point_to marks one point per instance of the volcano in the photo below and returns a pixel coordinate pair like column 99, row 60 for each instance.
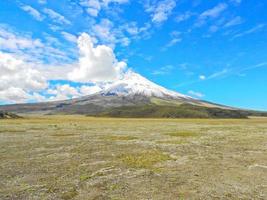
column 133, row 96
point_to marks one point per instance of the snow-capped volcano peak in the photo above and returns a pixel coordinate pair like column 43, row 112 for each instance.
column 135, row 84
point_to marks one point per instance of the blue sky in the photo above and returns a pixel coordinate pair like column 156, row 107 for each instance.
column 213, row 50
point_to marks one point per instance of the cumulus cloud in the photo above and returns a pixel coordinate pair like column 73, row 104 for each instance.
column 23, row 80
column 96, row 64
column 87, row 90
column 18, row 79
column 62, row 92
column 33, row 12
column 11, row 41
column 24, row 45
column 65, row 91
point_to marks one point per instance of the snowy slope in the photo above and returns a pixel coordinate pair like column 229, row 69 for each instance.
column 135, row 84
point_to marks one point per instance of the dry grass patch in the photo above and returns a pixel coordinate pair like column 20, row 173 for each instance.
column 183, row 134
column 119, row 137
column 63, row 134
column 145, row 159
column 171, row 142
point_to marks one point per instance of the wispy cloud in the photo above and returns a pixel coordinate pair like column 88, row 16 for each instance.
column 211, row 13
column 68, row 36
column 42, row 1
column 161, row 11
column 56, row 17
column 226, row 72
column 163, row 70
column 234, row 22
column 11, row 41
column 237, row 2
column 111, row 34
column 175, row 38
column 250, row 31
column 195, row 94
column 93, row 7
column 184, row 16
column 29, row 48
column 259, row 65
column 214, row 12
column 202, row 77
column 218, row 74
column 33, row 12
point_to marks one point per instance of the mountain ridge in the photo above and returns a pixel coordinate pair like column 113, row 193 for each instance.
column 132, row 96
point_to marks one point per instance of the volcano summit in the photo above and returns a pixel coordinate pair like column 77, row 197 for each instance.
column 133, row 96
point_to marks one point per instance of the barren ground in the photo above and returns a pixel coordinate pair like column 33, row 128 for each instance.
column 76, row 157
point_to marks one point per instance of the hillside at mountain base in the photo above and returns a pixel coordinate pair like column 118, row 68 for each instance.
column 134, row 96
column 7, row 115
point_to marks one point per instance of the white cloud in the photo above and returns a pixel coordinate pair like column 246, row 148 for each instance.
column 196, row 94
column 14, row 95
column 42, row 1
column 219, row 73
column 33, row 49
column 88, row 90
column 214, row 12
column 33, row 12
column 202, row 77
column 161, row 11
column 93, row 7
column 234, row 22
column 62, row 92
column 18, row 79
column 107, row 2
column 185, row 16
column 237, row 2
column 11, row 41
column 250, row 31
column 103, row 31
column 65, row 91
column 211, row 13
column 213, row 28
column 133, row 29
column 107, row 33
column 163, row 70
column 68, row 36
column 96, row 63
column 175, row 38
column 56, row 17
column 26, row 80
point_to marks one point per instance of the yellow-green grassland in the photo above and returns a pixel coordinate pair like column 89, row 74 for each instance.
column 78, row 157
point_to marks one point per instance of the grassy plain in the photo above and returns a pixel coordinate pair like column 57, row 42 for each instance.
column 77, row 157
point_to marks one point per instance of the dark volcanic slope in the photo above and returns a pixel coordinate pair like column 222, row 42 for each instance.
column 7, row 115
column 92, row 104
column 133, row 96
column 131, row 106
